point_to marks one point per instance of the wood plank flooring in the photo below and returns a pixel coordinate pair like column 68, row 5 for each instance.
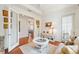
column 25, row 41
column 17, row 49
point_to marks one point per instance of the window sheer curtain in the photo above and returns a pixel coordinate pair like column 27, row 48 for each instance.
column 66, row 26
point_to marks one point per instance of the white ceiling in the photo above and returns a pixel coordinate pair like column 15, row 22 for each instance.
column 55, row 7
column 49, row 8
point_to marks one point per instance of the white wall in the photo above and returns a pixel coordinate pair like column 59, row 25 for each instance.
column 1, row 21
column 23, row 11
column 2, row 31
column 57, row 20
column 19, row 10
column 1, row 25
column 37, row 30
column 56, row 17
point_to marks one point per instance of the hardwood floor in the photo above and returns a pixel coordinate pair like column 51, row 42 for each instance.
column 25, row 41
column 17, row 49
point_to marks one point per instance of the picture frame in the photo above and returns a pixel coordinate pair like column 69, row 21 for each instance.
column 48, row 24
column 5, row 26
column 37, row 23
column 5, row 20
column 5, row 13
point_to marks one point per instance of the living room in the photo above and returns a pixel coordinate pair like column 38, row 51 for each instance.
column 53, row 27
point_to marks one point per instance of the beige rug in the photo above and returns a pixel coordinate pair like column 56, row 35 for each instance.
column 29, row 49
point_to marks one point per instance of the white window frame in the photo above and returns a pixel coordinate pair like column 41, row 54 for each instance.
column 68, row 35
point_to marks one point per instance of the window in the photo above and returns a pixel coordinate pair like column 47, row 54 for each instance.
column 66, row 26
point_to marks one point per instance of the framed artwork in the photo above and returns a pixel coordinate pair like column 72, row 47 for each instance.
column 37, row 23
column 5, row 23
column 5, row 26
column 5, row 13
column 5, row 19
column 48, row 24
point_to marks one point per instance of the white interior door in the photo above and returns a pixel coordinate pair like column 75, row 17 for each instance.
column 13, row 31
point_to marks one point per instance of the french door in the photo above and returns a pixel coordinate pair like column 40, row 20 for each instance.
column 13, row 30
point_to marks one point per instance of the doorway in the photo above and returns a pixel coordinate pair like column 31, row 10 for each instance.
column 26, row 27
column 13, row 39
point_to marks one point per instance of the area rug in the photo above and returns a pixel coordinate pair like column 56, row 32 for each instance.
column 30, row 49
